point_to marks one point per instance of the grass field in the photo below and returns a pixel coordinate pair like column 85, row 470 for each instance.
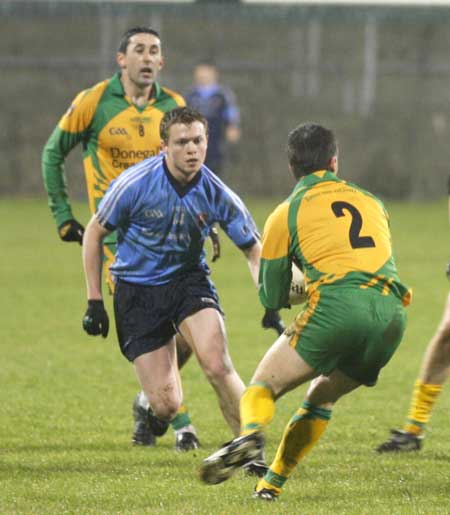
column 65, row 398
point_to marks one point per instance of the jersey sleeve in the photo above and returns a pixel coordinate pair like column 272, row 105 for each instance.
column 71, row 129
column 237, row 222
column 115, row 207
column 275, row 273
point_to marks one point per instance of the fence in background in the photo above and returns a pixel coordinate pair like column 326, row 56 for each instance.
column 379, row 76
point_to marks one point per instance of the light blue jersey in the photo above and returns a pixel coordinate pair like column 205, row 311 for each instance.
column 162, row 225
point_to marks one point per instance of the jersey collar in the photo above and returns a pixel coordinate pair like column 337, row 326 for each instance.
column 313, row 178
column 181, row 189
column 117, row 87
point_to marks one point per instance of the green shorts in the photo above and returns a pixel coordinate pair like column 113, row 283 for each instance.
column 354, row 330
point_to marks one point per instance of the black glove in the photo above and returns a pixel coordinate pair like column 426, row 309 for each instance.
column 272, row 320
column 95, row 320
column 447, row 271
column 71, row 231
column 214, row 235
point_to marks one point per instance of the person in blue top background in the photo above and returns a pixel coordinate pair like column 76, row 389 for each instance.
column 217, row 103
column 163, row 209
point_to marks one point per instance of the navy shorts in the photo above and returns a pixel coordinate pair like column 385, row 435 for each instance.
column 148, row 316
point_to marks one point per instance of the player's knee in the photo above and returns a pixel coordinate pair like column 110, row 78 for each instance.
column 165, row 407
column 217, row 369
column 321, row 393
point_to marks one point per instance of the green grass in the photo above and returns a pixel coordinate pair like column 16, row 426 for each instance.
column 65, row 398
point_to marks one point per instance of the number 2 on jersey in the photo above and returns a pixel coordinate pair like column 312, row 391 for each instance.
column 356, row 241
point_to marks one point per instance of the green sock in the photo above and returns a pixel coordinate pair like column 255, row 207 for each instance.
column 182, row 419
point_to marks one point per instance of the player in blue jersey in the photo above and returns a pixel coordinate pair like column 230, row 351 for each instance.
column 163, row 209
column 218, row 105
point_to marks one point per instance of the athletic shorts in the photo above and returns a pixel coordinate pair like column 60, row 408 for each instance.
column 148, row 316
column 353, row 330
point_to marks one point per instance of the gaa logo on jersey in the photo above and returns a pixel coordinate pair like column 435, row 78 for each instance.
column 153, row 213
column 118, row 131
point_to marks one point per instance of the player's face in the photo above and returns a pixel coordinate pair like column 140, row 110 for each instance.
column 143, row 59
column 205, row 75
column 186, row 150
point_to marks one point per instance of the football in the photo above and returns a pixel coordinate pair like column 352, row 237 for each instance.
column 297, row 294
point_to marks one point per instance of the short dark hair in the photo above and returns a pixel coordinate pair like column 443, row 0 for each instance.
column 184, row 115
column 310, row 147
column 125, row 40
column 207, row 61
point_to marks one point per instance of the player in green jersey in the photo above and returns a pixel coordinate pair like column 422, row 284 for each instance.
column 117, row 123
column 351, row 324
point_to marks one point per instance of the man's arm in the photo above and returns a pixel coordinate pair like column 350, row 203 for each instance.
column 70, row 131
column 275, row 272
column 241, row 224
column 253, row 255
column 232, row 117
column 271, row 318
column 95, row 320
column 93, row 258
column 53, row 157
column 233, row 133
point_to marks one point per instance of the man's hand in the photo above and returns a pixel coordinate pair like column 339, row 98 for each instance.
column 447, row 271
column 95, row 320
column 272, row 320
column 71, row 231
column 214, row 235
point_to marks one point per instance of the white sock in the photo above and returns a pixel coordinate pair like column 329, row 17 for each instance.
column 143, row 401
column 186, row 429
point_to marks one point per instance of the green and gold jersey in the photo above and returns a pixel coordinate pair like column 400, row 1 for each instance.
column 336, row 233
column 115, row 134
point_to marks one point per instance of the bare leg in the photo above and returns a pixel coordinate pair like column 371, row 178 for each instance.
column 435, row 370
column 184, row 351
column 324, row 391
column 436, row 361
column 282, row 368
column 158, row 375
column 185, row 437
column 304, row 430
column 205, row 332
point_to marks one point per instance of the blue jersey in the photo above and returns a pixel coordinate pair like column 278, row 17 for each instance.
column 218, row 105
column 162, row 225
